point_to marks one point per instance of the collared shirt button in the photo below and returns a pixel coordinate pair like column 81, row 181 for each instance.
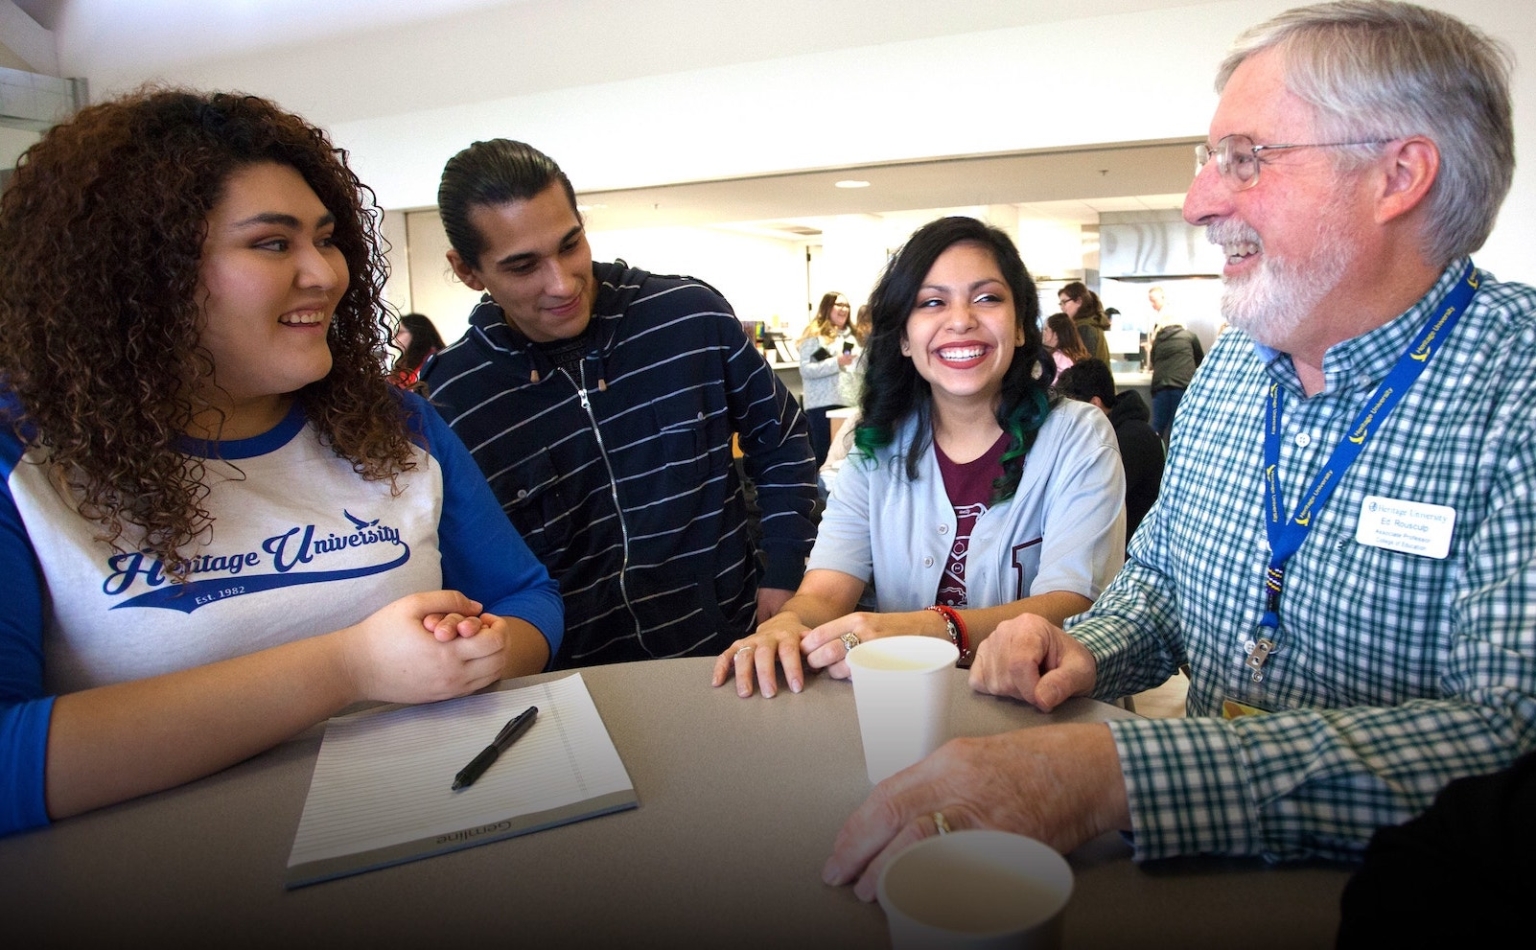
column 943, row 529
column 1303, row 440
column 927, row 562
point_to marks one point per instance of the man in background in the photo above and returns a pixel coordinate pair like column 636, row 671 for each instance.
column 1141, row 451
column 1174, row 354
column 1342, row 549
column 601, row 402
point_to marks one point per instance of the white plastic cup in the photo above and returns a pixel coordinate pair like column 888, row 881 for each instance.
column 901, row 690
column 969, row 890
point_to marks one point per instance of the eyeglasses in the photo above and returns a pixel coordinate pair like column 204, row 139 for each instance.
column 1237, row 158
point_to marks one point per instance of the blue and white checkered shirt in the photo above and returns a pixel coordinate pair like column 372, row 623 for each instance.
column 1395, row 672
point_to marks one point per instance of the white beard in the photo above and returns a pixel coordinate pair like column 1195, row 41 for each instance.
column 1271, row 303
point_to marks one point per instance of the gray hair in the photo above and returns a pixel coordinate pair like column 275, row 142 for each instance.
column 1379, row 70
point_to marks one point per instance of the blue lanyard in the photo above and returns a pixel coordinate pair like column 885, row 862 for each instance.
column 1287, row 534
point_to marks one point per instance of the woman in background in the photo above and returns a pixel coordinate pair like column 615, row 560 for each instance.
column 827, row 354
column 1087, row 313
column 417, row 339
column 1060, row 337
column 219, row 523
column 972, row 495
column 851, row 383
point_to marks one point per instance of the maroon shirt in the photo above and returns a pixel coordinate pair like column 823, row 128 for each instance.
column 969, row 486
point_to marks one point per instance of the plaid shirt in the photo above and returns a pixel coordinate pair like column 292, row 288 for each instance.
column 1395, row 673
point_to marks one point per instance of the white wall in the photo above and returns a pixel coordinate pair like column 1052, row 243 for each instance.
column 763, row 278
column 13, row 142
column 994, row 91
column 1143, row 74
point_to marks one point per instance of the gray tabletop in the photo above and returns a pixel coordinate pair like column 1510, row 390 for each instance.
column 739, row 803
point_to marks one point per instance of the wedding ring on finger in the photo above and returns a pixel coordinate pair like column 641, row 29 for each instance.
column 940, row 823
column 749, row 648
column 850, row 640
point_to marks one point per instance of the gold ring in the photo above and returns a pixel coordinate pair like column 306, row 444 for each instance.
column 940, row 823
column 850, row 640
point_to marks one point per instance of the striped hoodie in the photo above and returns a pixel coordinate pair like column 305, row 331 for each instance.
column 619, row 472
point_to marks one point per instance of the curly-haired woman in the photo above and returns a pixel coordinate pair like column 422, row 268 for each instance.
column 219, row 523
column 972, row 495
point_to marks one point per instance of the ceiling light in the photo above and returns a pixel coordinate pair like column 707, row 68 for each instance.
column 850, row 183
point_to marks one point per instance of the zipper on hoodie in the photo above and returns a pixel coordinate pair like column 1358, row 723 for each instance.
column 613, row 490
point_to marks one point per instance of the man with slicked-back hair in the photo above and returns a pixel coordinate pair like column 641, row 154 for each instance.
column 601, row 402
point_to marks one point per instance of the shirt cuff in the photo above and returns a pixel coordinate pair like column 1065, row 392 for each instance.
column 1186, row 787
column 24, row 751
column 1110, row 645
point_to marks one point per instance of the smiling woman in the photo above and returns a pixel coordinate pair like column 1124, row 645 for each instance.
column 973, row 496
column 211, row 499
column 270, row 249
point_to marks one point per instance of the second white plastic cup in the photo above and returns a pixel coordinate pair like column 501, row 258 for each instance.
column 901, row 689
column 976, row 890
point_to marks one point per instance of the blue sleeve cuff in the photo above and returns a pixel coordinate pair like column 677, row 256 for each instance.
column 23, row 755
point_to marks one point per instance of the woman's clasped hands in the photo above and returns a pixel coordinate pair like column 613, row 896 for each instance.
column 425, row 647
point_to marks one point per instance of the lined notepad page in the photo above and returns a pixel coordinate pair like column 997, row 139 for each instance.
column 383, row 779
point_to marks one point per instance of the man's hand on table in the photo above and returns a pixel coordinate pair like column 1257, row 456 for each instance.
column 1032, row 659
column 1059, row 784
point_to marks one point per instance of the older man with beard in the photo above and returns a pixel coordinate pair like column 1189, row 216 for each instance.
column 1344, row 551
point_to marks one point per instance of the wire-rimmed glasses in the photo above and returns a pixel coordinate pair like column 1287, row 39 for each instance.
column 1237, row 157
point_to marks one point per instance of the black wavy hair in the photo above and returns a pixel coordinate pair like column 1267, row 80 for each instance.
column 893, row 388
column 492, row 173
column 425, row 340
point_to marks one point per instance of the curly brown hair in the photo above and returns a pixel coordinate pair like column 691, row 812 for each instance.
column 101, row 236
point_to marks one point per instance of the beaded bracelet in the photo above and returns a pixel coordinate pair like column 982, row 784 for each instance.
column 957, row 632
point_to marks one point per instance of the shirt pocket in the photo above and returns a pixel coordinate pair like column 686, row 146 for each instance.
column 529, row 492
column 685, row 448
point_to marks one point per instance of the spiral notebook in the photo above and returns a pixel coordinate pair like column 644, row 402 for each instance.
column 381, row 795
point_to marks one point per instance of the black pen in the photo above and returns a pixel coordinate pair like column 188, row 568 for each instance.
column 504, row 739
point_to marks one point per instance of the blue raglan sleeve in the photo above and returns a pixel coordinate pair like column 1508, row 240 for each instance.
column 483, row 555
column 24, row 709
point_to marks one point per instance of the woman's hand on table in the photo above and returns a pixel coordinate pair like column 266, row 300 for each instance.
column 826, row 647
column 753, row 658
column 1059, row 784
column 1032, row 659
column 396, row 655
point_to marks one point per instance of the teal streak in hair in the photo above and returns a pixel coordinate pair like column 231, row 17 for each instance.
column 1022, row 424
column 867, row 439
column 1026, row 417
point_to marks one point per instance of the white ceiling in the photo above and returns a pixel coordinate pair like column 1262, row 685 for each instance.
column 1073, row 187
column 148, row 36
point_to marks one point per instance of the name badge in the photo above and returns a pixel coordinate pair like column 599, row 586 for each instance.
column 1407, row 526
